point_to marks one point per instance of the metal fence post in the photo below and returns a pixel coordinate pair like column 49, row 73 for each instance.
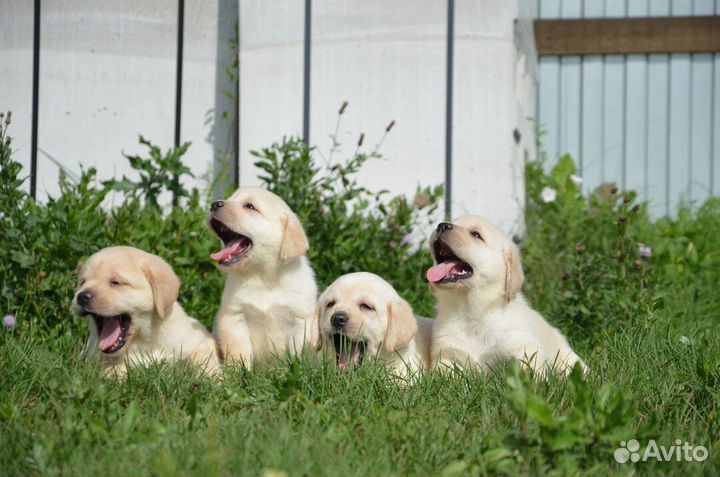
column 306, row 71
column 449, row 108
column 179, row 69
column 35, row 100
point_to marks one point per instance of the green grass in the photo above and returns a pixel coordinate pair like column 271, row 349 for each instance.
column 60, row 417
column 647, row 327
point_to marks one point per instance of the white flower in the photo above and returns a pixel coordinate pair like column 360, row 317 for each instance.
column 686, row 341
column 644, row 251
column 577, row 180
column 548, row 195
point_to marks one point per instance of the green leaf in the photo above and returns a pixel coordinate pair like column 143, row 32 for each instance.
column 562, row 171
column 538, row 409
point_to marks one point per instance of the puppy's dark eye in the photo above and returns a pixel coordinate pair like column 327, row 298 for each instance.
column 476, row 235
column 115, row 282
column 366, row 307
column 330, row 304
column 250, row 206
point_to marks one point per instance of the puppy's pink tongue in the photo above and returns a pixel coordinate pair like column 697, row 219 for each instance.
column 440, row 271
column 343, row 364
column 233, row 248
column 110, row 333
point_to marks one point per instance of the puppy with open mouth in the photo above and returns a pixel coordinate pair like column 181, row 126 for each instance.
column 362, row 316
column 269, row 298
column 482, row 318
column 129, row 298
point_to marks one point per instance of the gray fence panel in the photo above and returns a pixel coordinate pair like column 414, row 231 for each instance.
column 645, row 122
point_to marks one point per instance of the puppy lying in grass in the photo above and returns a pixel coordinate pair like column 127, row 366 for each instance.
column 129, row 298
column 482, row 318
column 269, row 298
column 364, row 317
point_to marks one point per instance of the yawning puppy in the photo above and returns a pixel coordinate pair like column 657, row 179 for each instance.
column 269, row 298
column 482, row 318
column 129, row 298
column 364, row 317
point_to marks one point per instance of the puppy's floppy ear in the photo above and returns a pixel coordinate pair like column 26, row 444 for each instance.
column 165, row 284
column 316, row 329
column 401, row 327
column 294, row 242
column 514, row 276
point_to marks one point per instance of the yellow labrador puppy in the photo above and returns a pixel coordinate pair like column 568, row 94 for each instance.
column 269, row 298
column 364, row 316
column 482, row 318
column 129, row 298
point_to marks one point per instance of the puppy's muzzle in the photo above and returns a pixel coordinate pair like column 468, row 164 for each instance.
column 84, row 298
column 339, row 320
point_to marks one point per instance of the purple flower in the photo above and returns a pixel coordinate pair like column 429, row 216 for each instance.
column 407, row 240
column 644, row 251
column 577, row 180
column 9, row 321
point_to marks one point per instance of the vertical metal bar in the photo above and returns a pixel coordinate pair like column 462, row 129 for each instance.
column 35, row 100
column 713, row 92
column 667, row 134
column 691, row 113
column 306, row 71
column 449, row 107
column 236, row 123
column 603, row 120
column 626, row 13
column 558, row 114
column 603, row 109
column 560, row 89
column 179, row 70
column 646, row 167
column 623, row 176
column 581, row 122
column 646, row 190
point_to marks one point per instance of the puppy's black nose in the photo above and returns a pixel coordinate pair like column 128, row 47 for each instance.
column 339, row 319
column 84, row 298
column 216, row 205
column 444, row 227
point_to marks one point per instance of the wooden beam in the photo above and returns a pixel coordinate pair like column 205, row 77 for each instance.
column 609, row 36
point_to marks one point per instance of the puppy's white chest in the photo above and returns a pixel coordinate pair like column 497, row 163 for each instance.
column 273, row 322
column 478, row 339
column 270, row 318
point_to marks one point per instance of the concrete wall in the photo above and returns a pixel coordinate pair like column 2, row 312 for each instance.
column 388, row 60
column 107, row 74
